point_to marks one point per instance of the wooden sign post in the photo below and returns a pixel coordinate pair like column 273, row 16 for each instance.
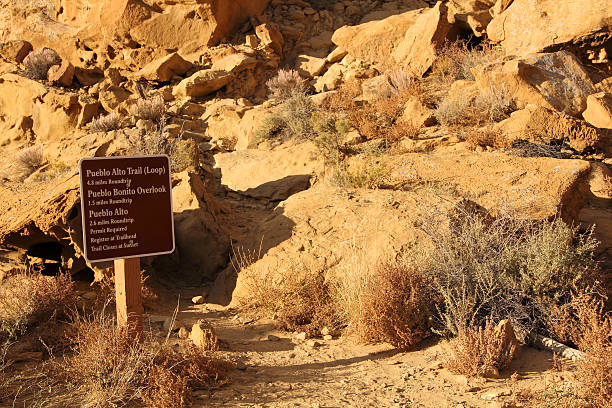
column 126, row 207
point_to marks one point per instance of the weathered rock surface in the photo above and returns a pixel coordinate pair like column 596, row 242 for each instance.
column 529, row 26
column 423, row 40
column 61, row 74
column 202, row 245
column 164, row 69
column 15, row 51
column 553, row 80
column 272, row 175
column 599, row 110
column 235, row 63
column 375, row 40
column 202, row 83
column 540, row 125
column 471, row 15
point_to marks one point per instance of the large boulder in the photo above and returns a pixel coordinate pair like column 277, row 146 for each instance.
column 543, row 126
column 202, row 244
column 53, row 113
column 273, row 175
column 202, row 83
column 553, row 80
column 15, row 51
column 164, row 69
column 423, row 40
column 320, row 230
column 599, row 110
column 375, row 40
column 529, row 26
column 189, row 28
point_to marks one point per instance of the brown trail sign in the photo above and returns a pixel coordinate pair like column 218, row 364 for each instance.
column 126, row 205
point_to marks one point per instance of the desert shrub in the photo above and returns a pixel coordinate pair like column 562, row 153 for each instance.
column 286, row 84
column 504, row 268
column 28, row 299
column 462, row 108
column 270, row 128
column 106, row 123
column 55, row 170
column 149, row 108
column 456, row 61
column 106, row 369
column 372, row 174
column 297, row 114
column 397, row 306
column 183, row 153
column 300, row 300
column 30, row 159
column 480, row 350
column 400, row 81
column 37, row 63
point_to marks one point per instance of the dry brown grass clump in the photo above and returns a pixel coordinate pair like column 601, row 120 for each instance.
column 29, row 299
column 285, row 84
column 149, row 108
column 464, row 109
column 30, row 159
column 456, row 60
column 37, row 63
column 105, row 369
column 480, row 351
column 106, row 123
column 397, row 306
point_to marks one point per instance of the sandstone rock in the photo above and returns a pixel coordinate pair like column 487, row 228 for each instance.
column 336, row 55
column 423, row 40
column 471, row 15
column 540, row 125
column 164, row 69
column 197, row 300
column 416, row 113
column 554, row 80
column 505, row 332
column 188, row 29
column 111, row 96
column 331, row 80
column 235, row 63
column 273, row 175
column 499, row 7
column 61, row 74
column 89, row 110
column 252, row 41
column 202, row 83
column 15, row 51
column 374, row 41
column 202, row 244
column 271, row 37
column 203, row 336
column 244, row 132
column 89, row 76
column 599, row 110
column 310, row 67
column 529, row 26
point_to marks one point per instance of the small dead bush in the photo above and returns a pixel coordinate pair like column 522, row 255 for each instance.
column 38, row 62
column 476, row 351
column 106, row 369
column 29, row 299
column 397, row 306
column 286, row 84
column 106, row 123
column 149, row 108
column 30, row 159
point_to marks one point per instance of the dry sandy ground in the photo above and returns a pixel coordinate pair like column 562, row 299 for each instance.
column 275, row 369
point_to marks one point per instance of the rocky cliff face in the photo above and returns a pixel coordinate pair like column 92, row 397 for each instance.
column 203, row 64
